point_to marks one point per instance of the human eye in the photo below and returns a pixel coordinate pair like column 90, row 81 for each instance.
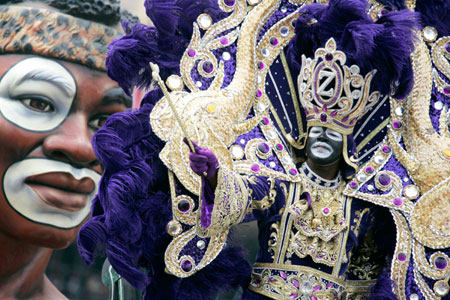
column 98, row 121
column 37, row 103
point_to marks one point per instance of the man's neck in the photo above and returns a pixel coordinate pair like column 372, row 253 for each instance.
column 327, row 172
column 22, row 269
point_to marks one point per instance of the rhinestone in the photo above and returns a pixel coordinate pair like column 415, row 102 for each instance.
column 284, row 31
column 399, row 111
column 260, row 107
column 429, row 34
column 199, row 84
column 271, row 134
column 440, row 263
column 356, row 94
column 447, row 90
column 207, row 66
column 369, row 170
column 411, row 191
column 226, row 56
column 386, row 149
column 204, row 21
column 186, row 265
column 283, row 9
column 183, row 205
column 441, row 288
column 447, row 47
column 293, row 295
column 307, row 288
column 255, row 168
column 272, row 164
column 174, row 82
column 398, row 201
column 303, row 86
column 258, row 93
column 211, row 108
column 361, row 177
column 191, row 52
column 253, row 2
column 201, row 244
column 446, row 153
column 323, row 117
column 229, row 2
column 265, row 121
column 224, row 40
column 354, row 69
column 397, row 124
column 242, row 141
column 237, row 152
column 259, row 78
column 414, row 297
column 279, row 147
column 265, row 52
column 273, row 41
column 260, row 65
column 379, row 159
column 174, row 228
column 401, row 256
column 263, row 148
column 438, row 105
column 295, row 283
column 370, row 187
column 329, row 57
column 293, row 171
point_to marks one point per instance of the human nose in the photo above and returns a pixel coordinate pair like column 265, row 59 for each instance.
column 71, row 143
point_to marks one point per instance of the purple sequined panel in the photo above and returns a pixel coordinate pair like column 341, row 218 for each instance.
column 193, row 250
column 437, row 104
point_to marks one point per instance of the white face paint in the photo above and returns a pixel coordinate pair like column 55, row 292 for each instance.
column 321, row 149
column 36, row 94
column 26, row 201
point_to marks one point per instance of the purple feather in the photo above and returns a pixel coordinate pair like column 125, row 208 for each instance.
column 384, row 45
column 435, row 13
column 164, row 14
column 382, row 290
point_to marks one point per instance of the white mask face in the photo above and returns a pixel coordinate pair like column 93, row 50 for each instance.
column 36, row 94
column 31, row 201
column 324, row 144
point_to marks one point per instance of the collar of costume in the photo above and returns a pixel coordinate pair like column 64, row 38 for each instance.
column 26, row 30
column 317, row 180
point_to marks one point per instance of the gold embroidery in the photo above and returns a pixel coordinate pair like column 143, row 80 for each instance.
column 269, row 199
column 362, row 263
column 230, row 204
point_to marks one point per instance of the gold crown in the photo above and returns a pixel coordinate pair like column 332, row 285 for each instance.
column 333, row 94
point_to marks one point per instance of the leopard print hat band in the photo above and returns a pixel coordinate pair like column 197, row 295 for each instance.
column 25, row 30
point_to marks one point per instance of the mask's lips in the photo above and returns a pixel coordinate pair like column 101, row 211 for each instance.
column 62, row 190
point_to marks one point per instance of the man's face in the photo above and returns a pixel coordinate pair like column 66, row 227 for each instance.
column 49, row 111
column 324, row 145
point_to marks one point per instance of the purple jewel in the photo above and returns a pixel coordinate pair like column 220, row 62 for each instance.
column 263, row 147
column 208, row 66
column 191, row 52
column 400, row 99
column 255, row 168
column 316, row 110
column 229, row 2
column 386, row 149
column 397, row 124
column 326, row 210
column 323, row 118
column 447, row 90
column 324, row 108
column 440, row 263
column 369, row 170
column 293, row 171
column 279, row 147
column 352, row 121
column 353, row 185
column 260, row 65
column 334, row 113
column 283, row 275
column 329, row 285
column 295, row 283
column 293, row 296
column 329, row 57
column 265, row 121
column 345, row 119
column 183, row 205
column 398, row 201
column 384, row 179
column 447, row 47
column 401, row 256
column 317, row 288
column 273, row 41
column 186, row 265
column 224, row 41
column 258, row 93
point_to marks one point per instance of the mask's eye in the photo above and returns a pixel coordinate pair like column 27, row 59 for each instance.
column 98, row 121
column 315, row 131
column 334, row 135
column 38, row 103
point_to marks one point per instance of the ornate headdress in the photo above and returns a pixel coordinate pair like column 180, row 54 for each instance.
column 333, row 94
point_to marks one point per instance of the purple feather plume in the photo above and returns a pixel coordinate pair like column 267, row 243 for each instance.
column 384, row 45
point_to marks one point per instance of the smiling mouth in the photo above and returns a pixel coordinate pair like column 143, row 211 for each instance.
column 62, row 190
